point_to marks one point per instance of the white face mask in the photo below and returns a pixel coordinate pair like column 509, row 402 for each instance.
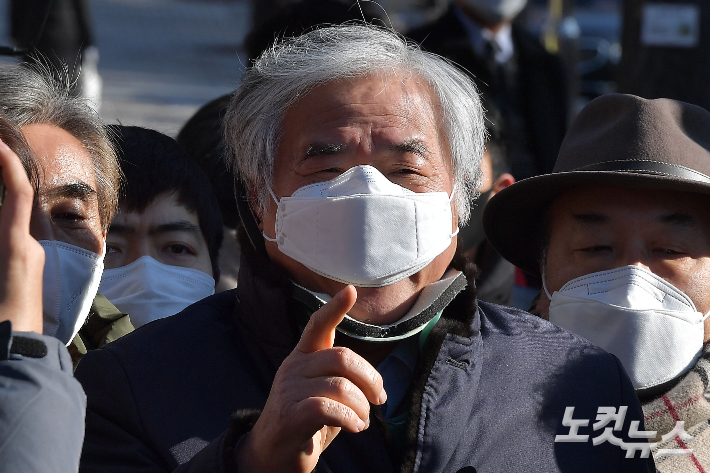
column 496, row 11
column 70, row 282
column 148, row 290
column 362, row 229
column 650, row 325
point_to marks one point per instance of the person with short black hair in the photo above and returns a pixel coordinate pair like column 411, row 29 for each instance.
column 163, row 245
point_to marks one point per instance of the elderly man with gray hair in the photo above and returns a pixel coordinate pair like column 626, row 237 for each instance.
column 354, row 341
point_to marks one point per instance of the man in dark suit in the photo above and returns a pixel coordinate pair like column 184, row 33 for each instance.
column 507, row 63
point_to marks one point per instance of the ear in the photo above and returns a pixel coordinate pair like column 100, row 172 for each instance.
column 503, row 181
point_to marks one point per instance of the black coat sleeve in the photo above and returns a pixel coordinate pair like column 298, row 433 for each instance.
column 116, row 439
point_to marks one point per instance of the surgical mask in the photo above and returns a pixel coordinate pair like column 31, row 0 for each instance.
column 496, row 11
column 651, row 326
column 362, row 229
column 148, row 290
column 70, row 281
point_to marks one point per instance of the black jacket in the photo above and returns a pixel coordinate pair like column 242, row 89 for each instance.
column 542, row 83
column 489, row 390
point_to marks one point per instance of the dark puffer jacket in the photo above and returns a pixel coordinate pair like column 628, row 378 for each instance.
column 489, row 391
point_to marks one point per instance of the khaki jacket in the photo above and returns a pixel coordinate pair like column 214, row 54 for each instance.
column 105, row 324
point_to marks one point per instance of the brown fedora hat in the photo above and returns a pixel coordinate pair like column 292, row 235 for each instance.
column 616, row 140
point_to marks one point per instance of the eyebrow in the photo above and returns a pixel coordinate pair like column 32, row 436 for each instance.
column 121, row 229
column 678, row 219
column 175, row 226
column 74, row 190
column 412, row 145
column 590, row 219
column 317, row 149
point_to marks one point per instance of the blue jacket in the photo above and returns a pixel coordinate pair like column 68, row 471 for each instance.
column 41, row 405
column 488, row 394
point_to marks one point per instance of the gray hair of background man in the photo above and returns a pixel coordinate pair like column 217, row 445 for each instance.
column 293, row 67
column 35, row 94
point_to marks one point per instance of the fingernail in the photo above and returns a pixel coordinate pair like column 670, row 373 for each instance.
column 382, row 398
column 360, row 425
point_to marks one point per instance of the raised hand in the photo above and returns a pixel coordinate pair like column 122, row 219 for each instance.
column 318, row 390
column 21, row 257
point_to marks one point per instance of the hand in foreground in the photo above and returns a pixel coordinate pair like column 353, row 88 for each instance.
column 318, row 390
column 21, row 257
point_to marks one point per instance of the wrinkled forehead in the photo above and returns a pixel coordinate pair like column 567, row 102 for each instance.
column 594, row 206
column 61, row 158
column 386, row 99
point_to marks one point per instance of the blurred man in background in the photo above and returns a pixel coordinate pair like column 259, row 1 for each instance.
column 59, row 31
column 509, row 65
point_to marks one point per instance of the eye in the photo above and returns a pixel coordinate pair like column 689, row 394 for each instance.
column 178, row 249
column 405, row 171
column 110, row 249
column 68, row 217
column 668, row 252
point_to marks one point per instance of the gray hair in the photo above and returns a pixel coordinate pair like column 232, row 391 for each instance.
column 293, row 67
column 37, row 94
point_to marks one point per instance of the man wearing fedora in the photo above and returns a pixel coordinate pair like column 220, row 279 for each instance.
column 620, row 233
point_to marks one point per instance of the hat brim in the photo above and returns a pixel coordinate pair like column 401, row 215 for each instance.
column 513, row 219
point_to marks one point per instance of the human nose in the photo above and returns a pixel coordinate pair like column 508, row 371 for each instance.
column 140, row 248
column 634, row 255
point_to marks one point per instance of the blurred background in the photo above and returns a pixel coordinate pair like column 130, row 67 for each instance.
column 155, row 62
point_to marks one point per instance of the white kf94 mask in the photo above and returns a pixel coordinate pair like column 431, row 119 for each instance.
column 651, row 326
column 69, row 284
column 362, row 229
column 148, row 290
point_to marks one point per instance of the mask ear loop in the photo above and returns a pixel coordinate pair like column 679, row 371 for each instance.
column 273, row 196
column 451, row 197
column 544, row 286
